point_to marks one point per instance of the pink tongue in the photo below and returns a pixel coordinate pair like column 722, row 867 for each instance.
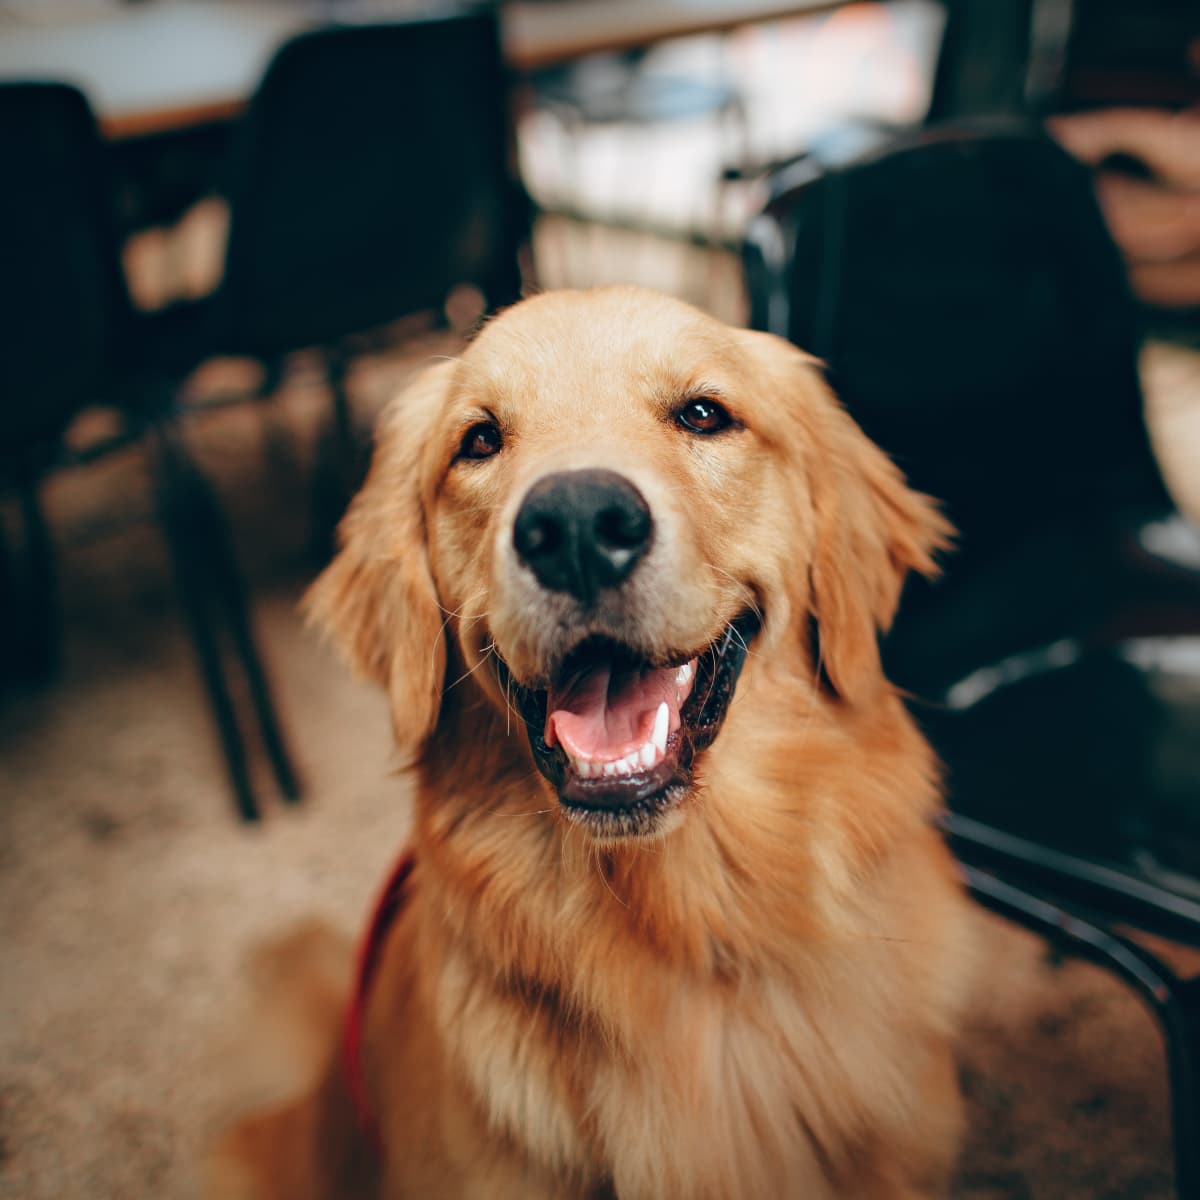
column 601, row 714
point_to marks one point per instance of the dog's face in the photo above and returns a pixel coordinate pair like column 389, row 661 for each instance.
column 602, row 507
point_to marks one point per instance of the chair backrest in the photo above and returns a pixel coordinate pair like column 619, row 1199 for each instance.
column 976, row 320
column 982, row 65
column 372, row 173
column 63, row 302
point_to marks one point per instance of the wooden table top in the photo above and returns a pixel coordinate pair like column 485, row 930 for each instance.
column 167, row 64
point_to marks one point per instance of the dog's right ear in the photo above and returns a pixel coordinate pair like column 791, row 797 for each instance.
column 377, row 600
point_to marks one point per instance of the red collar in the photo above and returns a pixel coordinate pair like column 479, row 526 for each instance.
column 387, row 908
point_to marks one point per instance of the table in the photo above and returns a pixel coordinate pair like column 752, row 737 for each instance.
column 171, row 64
column 539, row 33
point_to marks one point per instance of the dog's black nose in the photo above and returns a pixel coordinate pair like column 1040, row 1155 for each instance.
column 580, row 531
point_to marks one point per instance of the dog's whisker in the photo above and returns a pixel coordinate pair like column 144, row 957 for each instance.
column 604, row 880
column 505, row 685
column 470, row 600
column 563, row 843
column 743, row 592
column 450, row 615
column 488, row 651
column 712, row 679
column 437, row 641
column 737, row 637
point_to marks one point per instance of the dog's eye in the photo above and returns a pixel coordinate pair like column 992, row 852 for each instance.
column 481, row 441
column 703, row 416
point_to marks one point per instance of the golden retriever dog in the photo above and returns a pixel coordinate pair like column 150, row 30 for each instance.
column 679, row 922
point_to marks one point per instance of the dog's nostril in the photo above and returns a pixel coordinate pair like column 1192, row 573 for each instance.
column 622, row 527
column 541, row 537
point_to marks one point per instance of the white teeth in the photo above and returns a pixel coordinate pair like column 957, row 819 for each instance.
column 683, row 675
column 644, row 757
column 661, row 721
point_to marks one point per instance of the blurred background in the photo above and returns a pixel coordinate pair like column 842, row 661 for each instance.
column 230, row 231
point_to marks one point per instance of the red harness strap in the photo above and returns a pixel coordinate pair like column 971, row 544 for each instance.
column 387, row 907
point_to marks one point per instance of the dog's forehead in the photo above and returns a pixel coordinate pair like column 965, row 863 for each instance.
column 566, row 346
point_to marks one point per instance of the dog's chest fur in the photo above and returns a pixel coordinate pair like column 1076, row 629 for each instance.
column 710, row 1092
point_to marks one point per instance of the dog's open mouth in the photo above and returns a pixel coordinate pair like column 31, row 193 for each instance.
column 617, row 735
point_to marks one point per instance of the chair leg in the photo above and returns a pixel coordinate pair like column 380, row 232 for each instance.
column 1183, row 1047
column 184, row 509
column 1174, row 1002
column 227, row 580
column 28, row 588
column 10, row 611
column 279, row 439
column 40, row 554
column 211, row 587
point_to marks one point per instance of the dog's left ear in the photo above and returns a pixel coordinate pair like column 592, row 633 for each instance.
column 377, row 599
column 869, row 527
column 871, row 530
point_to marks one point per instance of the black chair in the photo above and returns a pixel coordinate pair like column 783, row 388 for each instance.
column 50, row 232
column 371, row 175
column 976, row 320
column 72, row 339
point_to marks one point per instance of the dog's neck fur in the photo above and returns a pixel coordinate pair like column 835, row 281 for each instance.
column 671, row 976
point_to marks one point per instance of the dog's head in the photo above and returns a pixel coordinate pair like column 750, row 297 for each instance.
column 594, row 515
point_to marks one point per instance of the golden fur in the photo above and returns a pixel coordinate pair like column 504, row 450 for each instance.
column 761, row 1000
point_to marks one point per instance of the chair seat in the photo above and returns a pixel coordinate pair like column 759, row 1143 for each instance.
column 1060, row 685
column 1094, row 751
